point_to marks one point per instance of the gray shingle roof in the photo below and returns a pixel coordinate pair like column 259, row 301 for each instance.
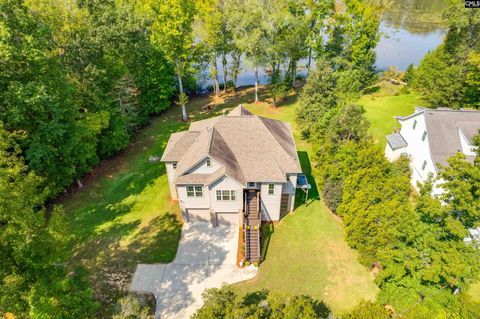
column 469, row 130
column 396, row 141
column 249, row 147
column 442, row 128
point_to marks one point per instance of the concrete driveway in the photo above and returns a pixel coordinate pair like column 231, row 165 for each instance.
column 206, row 258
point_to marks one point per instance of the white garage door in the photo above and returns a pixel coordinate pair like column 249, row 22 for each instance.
column 227, row 219
column 198, row 215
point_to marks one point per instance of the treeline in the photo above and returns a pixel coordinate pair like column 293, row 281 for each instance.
column 413, row 242
column 449, row 76
column 77, row 78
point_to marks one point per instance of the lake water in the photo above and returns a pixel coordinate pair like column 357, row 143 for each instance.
column 409, row 29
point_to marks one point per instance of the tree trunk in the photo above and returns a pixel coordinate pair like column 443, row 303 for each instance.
column 274, row 101
column 180, row 88
column 235, row 69
column 216, row 87
column 79, row 183
column 224, row 66
column 256, row 84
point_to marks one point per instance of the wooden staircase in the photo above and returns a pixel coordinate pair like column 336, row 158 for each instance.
column 251, row 225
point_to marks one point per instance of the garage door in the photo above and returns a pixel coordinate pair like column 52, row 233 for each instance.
column 198, row 215
column 227, row 219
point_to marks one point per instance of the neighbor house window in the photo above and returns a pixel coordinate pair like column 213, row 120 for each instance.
column 251, row 184
column 174, row 165
column 194, row 191
column 424, row 136
column 225, row 195
column 424, row 165
column 414, row 124
column 208, row 162
column 271, row 189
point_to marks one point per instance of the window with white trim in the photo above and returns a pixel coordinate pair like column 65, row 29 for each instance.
column 271, row 189
column 251, row 184
column 174, row 165
column 194, row 191
column 209, row 163
column 414, row 124
column 424, row 165
column 225, row 195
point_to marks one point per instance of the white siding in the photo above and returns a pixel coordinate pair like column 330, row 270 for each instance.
column 393, row 155
column 271, row 203
column 418, row 150
column 202, row 168
column 289, row 186
column 467, row 148
column 171, row 176
column 226, row 183
column 193, row 202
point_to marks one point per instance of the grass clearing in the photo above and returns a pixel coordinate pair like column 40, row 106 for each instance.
column 123, row 216
column 383, row 105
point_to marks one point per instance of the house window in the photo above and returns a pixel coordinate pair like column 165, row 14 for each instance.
column 251, row 184
column 414, row 124
column 208, row 162
column 424, row 165
column 424, row 136
column 225, row 195
column 194, row 191
column 271, row 189
column 174, row 165
column 288, row 178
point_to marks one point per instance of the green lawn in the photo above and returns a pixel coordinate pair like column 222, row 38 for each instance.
column 123, row 216
column 382, row 106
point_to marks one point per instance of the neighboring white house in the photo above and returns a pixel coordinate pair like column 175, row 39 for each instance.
column 430, row 136
column 217, row 162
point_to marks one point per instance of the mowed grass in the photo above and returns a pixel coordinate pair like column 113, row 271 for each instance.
column 124, row 216
column 382, row 106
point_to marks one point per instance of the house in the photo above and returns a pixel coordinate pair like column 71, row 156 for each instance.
column 236, row 169
column 430, row 136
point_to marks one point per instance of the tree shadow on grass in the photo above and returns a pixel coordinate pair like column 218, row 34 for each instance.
column 255, row 297
column 313, row 194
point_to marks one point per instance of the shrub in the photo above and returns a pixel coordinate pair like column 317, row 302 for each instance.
column 135, row 305
column 332, row 193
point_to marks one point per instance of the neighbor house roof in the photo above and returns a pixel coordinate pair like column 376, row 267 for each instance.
column 249, row 147
column 396, row 141
column 442, row 128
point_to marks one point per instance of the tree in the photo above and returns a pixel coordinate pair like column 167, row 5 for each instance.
column 440, row 79
column 173, row 35
column 353, row 36
column 448, row 75
column 243, row 18
column 224, row 303
column 30, row 248
column 318, row 100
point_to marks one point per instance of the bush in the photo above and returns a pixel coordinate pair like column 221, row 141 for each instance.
column 136, row 306
column 332, row 193
column 368, row 310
